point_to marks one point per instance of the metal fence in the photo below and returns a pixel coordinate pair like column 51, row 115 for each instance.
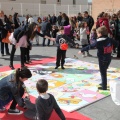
column 42, row 9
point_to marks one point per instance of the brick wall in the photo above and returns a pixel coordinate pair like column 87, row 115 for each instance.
column 104, row 5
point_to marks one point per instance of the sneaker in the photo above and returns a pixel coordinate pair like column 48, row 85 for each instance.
column 15, row 112
column 56, row 67
column 12, row 67
column 89, row 55
column 100, row 88
column 2, row 109
column 62, row 67
column 2, row 55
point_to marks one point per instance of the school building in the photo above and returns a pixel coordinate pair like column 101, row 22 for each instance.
column 109, row 6
column 43, row 7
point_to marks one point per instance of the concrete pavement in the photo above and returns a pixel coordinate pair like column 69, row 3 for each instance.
column 104, row 109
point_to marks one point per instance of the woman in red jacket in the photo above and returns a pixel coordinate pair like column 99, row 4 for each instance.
column 103, row 20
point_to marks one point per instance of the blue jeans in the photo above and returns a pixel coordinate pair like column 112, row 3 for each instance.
column 5, row 102
column 103, row 66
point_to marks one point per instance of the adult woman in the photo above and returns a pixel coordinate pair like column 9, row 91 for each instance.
column 104, row 21
column 16, row 20
column 22, row 37
column 12, row 89
column 65, row 20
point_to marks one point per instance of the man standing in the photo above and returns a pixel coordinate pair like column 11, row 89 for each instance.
column 31, row 20
column 90, row 21
column 54, row 19
column 46, row 28
column 59, row 19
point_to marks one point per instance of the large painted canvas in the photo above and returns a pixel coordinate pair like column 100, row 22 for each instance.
column 74, row 87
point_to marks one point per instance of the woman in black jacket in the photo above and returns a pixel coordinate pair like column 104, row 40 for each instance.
column 16, row 20
column 4, row 28
column 65, row 20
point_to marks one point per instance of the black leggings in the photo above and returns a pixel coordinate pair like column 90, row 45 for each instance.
column 61, row 54
column 14, row 102
column 22, row 49
column 6, row 48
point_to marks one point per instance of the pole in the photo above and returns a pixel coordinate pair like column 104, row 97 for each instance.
column 55, row 9
column 68, row 10
column 21, row 10
column 39, row 9
column 80, row 8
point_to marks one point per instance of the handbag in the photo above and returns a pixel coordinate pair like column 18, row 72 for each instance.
column 6, row 39
column 64, row 46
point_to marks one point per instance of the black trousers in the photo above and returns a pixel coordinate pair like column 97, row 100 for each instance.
column 48, row 34
column 61, row 54
column 14, row 102
column 23, row 50
column 27, row 54
column 6, row 48
column 118, row 50
column 12, row 54
column 103, row 66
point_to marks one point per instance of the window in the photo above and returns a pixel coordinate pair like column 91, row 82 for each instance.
column 58, row 1
column 43, row 1
column 74, row 2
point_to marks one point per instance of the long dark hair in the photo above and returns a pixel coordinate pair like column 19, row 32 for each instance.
column 30, row 31
column 23, row 73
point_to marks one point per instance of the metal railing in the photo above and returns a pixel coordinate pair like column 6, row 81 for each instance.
column 42, row 9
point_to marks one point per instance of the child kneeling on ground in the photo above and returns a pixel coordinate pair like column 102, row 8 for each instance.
column 104, row 45
column 44, row 105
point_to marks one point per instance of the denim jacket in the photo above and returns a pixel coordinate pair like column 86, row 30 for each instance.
column 7, row 87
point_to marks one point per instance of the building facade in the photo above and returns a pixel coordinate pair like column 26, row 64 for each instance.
column 109, row 6
column 61, row 2
column 43, row 7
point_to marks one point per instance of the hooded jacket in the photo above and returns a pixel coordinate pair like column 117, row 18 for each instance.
column 104, row 47
column 105, row 22
column 45, row 107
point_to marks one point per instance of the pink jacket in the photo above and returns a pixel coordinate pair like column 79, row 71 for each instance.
column 23, row 42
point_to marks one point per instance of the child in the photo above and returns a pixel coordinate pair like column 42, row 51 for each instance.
column 45, row 104
column 93, row 36
column 62, row 45
column 83, row 36
column 12, row 89
column 104, row 44
column 54, row 32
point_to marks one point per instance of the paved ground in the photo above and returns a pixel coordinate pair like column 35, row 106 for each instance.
column 104, row 109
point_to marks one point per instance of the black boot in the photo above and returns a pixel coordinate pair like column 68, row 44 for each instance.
column 57, row 67
column 11, row 66
column 62, row 67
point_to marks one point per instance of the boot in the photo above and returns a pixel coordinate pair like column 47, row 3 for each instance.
column 11, row 66
column 62, row 67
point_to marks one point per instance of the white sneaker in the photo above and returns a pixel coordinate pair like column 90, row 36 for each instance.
column 15, row 112
column 3, row 109
column 83, row 56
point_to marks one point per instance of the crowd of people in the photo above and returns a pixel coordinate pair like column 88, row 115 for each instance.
column 104, row 35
